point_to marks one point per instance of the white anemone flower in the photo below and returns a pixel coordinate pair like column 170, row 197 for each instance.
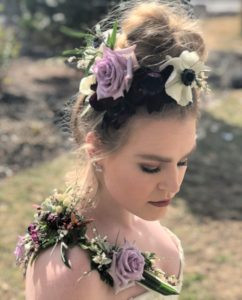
column 85, row 85
column 187, row 69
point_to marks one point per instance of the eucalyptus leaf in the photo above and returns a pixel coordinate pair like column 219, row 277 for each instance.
column 83, row 246
column 74, row 33
column 157, row 284
column 32, row 258
column 73, row 52
column 89, row 66
column 69, row 188
column 34, row 255
column 63, row 250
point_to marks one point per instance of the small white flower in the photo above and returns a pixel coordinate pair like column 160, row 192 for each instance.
column 101, row 259
column 27, row 246
column 89, row 54
column 176, row 86
column 85, row 85
column 81, row 64
column 67, row 201
column 59, row 197
column 58, row 209
column 71, row 59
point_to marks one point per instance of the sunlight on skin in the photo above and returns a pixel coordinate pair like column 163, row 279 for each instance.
column 127, row 188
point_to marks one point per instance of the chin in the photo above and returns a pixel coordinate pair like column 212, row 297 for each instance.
column 161, row 213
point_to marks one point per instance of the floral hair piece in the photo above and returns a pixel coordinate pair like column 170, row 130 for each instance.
column 110, row 79
column 187, row 73
column 57, row 221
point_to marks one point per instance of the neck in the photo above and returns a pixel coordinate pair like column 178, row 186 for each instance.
column 108, row 212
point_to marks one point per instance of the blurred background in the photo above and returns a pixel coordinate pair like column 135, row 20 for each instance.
column 35, row 154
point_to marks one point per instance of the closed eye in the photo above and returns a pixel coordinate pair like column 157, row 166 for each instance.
column 149, row 170
column 183, row 163
column 156, row 170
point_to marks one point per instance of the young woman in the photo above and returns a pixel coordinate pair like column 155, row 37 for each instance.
column 135, row 126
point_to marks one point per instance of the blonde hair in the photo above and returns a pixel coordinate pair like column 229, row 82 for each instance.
column 158, row 29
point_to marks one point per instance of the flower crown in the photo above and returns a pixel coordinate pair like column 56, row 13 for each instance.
column 57, row 221
column 114, row 81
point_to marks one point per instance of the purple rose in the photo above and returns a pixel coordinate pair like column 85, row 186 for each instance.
column 114, row 72
column 19, row 250
column 127, row 266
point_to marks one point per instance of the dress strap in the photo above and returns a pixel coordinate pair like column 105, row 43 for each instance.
column 180, row 249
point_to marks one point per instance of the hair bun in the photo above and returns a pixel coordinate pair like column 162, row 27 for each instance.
column 143, row 13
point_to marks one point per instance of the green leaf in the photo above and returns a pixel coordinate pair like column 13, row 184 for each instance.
column 74, row 33
column 155, row 283
column 64, row 249
column 69, row 188
column 32, row 258
column 89, row 66
column 112, row 39
column 83, row 246
column 34, row 255
column 73, row 52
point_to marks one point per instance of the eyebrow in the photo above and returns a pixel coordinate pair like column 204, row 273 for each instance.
column 164, row 159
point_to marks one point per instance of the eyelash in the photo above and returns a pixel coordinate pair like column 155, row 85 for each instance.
column 156, row 170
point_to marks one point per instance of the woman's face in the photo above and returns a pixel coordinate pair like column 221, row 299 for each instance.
column 131, row 180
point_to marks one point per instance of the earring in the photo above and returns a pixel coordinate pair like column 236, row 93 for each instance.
column 98, row 168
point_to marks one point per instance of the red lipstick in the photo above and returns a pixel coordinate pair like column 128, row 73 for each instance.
column 160, row 203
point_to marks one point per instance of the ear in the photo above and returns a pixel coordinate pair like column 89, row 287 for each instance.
column 91, row 140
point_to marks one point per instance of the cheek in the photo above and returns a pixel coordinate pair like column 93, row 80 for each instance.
column 128, row 182
column 182, row 174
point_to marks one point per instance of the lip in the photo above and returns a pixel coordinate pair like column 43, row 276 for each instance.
column 160, row 203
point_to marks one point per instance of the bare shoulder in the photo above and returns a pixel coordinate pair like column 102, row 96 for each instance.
column 167, row 249
column 173, row 261
column 49, row 278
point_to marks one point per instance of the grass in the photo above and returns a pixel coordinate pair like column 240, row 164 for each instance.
column 17, row 194
column 192, row 287
column 226, row 107
column 223, row 33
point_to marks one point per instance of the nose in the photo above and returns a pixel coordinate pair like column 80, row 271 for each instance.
column 170, row 181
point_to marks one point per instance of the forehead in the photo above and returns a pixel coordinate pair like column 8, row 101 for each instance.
column 165, row 135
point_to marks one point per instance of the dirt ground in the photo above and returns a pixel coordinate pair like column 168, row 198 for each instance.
column 33, row 93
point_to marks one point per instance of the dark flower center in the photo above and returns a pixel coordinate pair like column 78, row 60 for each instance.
column 188, row 76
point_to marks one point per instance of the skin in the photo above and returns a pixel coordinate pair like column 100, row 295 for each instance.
column 123, row 204
column 126, row 190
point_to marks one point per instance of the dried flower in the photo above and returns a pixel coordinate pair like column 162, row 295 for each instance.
column 19, row 250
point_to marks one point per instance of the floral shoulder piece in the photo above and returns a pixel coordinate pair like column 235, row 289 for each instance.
column 57, row 221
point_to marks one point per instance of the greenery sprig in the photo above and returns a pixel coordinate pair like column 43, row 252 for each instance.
column 57, row 221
